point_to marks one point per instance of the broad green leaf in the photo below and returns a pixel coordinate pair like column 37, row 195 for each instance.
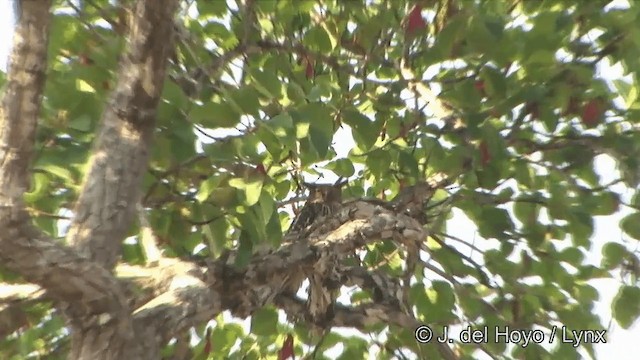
column 212, row 8
column 341, row 167
column 419, row 297
column 252, row 191
column 613, row 255
column 571, row 255
column 365, row 132
column 320, row 126
column 244, row 101
column 526, row 210
column 296, row 93
column 207, row 187
column 82, row 123
column 215, row 233
column 267, row 83
column 442, row 299
column 408, row 164
column 59, row 171
column 626, row 306
column 581, row 227
column 319, row 40
column 245, row 250
column 378, row 162
column 214, row 115
column 494, row 82
column 607, row 204
column 631, row 225
column 39, row 187
column 629, row 92
column 495, row 223
column 264, row 322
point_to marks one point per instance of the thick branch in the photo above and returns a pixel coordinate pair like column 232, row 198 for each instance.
column 185, row 294
column 24, row 249
column 107, row 203
column 22, row 99
column 188, row 294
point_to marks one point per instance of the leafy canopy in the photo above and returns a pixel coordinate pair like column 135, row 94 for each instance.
column 523, row 112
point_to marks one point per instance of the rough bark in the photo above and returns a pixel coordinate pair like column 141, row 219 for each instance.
column 107, row 203
column 184, row 294
column 88, row 294
column 108, row 319
column 21, row 100
column 23, row 248
column 188, row 294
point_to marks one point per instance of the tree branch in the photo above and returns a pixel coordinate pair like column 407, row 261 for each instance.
column 107, row 203
column 22, row 99
column 188, row 294
column 23, row 248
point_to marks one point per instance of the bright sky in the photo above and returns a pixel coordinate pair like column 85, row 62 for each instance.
column 607, row 229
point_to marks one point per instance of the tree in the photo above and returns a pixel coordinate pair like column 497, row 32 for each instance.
column 129, row 225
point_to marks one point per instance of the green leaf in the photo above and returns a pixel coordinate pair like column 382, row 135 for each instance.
column 252, row 191
column 446, row 39
column 494, row 223
column 39, row 188
column 419, row 297
column 629, row 92
column 207, row 187
column 626, row 306
column 280, row 125
column 320, row 126
column 295, row 93
column 213, row 115
column 215, row 233
column 267, row 206
column 226, row 336
column 264, row 322
column 451, row 262
column 320, row 141
column 631, row 225
column 365, row 132
column 480, row 37
column 267, row 83
column 245, row 250
column 212, row 8
column 82, row 123
column 613, row 255
column 571, row 255
column 581, row 227
column 408, row 164
column 317, row 39
column 526, row 211
column 495, row 82
column 341, row 167
column 442, row 301
column 378, row 163
column 59, row 171
column 244, row 100
column 607, row 203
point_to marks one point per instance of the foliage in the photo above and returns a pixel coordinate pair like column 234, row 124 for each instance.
column 527, row 116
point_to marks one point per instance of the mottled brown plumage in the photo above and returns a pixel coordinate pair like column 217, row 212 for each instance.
column 323, row 201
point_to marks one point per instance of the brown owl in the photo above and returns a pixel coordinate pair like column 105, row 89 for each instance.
column 323, row 201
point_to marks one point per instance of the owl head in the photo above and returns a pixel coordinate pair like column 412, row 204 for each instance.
column 325, row 192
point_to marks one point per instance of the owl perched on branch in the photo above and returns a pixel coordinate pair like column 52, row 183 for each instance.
column 323, row 201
